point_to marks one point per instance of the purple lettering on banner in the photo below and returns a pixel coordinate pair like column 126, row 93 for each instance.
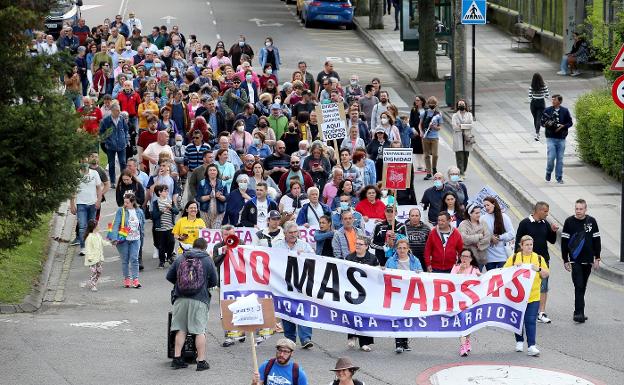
column 317, row 315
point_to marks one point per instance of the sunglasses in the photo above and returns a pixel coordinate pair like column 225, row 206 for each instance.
column 295, row 163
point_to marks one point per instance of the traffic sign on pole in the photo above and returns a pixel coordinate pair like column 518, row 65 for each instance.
column 474, row 12
column 617, row 92
column 618, row 62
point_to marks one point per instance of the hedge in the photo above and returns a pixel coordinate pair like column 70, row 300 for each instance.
column 599, row 131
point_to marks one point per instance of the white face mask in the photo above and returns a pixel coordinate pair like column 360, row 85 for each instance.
column 240, row 128
column 243, row 186
column 384, row 120
column 384, row 193
column 178, row 142
column 268, row 44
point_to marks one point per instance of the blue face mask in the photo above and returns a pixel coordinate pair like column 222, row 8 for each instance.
column 437, row 183
column 344, row 206
column 454, row 178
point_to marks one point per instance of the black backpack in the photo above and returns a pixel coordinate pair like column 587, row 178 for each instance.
column 295, row 371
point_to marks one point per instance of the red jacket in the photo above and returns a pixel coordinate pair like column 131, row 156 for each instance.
column 129, row 102
column 372, row 211
column 443, row 257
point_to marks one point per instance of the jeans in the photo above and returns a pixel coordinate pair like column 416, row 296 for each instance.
column 111, row 162
column 537, row 109
column 530, row 323
column 564, row 64
column 291, row 331
column 494, row 265
column 555, row 149
column 580, row 276
column 129, row 253
column 84, row 213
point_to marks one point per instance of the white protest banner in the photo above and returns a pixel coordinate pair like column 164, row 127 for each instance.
column 246, row 311
column 369, row 227
column 488, row 192
column 332, row 121
column 397, row 155
column 247, row 236
column 342, row 296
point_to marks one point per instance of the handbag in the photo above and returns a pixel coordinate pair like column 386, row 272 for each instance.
column 123, row 230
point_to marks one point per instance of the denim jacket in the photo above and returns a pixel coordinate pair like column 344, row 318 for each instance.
column 117, row 222
column 205, row 188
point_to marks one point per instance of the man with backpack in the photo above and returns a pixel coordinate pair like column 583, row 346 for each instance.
column 192, row 275
column 580, row 249
column 280, row 370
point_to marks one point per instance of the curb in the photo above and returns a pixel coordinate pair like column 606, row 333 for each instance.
column 32, row 302
column 524, row 198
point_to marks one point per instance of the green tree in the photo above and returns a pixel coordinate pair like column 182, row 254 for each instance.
column 605, row 39
column 39, row 144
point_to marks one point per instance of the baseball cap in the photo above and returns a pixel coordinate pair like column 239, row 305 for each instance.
column 274, row 214
column 285, row 342
column 390, row 208
column 275, row 106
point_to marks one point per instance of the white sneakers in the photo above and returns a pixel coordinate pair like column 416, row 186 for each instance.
column 543, row 318
column 562, row 73
column 575, row 73
column 533, row 351
column 351, row 343
column 155, row 254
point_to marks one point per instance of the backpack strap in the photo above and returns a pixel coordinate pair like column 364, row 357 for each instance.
column 295, row 373
column 267, row 368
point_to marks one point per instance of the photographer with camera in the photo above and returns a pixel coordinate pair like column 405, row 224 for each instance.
column 556, row 121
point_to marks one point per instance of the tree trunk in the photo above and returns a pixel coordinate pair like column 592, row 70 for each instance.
column 427, row 61
column 362, row 8
column 375, row 21
column 459, row 54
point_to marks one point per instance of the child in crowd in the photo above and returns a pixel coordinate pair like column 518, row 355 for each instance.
column 466, row 265
column 163, row 216
column 94, row 252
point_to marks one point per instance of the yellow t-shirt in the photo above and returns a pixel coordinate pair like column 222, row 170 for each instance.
column 191, row 228
column 151, row 106
column 537, row 261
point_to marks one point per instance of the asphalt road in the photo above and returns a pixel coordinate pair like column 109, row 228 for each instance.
column 118, row 335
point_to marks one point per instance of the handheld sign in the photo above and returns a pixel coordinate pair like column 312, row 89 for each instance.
column 397, row 167
column 487, row 191
column 332, row 121
column 246, row 311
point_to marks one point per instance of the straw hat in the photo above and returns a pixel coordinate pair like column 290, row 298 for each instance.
column 344, row 363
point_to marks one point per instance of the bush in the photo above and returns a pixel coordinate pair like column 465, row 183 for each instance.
column 599, row 131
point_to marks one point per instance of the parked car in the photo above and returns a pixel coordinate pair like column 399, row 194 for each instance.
column 63, row 12
column 328, row 11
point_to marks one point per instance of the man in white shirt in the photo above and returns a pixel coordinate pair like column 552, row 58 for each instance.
column 86, row 201
column 379, row 109
column 153, row 150
column 133, row 23
column 49, row 47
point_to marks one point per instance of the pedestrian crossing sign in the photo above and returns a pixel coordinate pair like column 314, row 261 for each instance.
column 474, row 11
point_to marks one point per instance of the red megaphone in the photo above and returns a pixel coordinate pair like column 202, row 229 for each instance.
column 232, row 241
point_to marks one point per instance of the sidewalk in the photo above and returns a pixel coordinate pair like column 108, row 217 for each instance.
column 504, row 128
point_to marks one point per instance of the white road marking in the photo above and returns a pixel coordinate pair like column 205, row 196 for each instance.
column 107, row 325
column 121, row 7
column 8, row 321
column 354, row 60
column 218, row 37
column 88, row 7
column 134, row 301
column 168, row 18
column 214, row 22
column 103, row 279
column 114, row 258
column 503, row 375
column 260, row 24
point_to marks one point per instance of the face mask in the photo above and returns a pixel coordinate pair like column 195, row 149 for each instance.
column 269, row 71
column 262, row 125
column 240, row 128
column 353, row 82
column 303, row 153
column 384, row 120
column 129, row 76
column 128, row 48
column 344, row 206
column 248, row 77
column 268, row 43
column 384, row 193
column 172, row 74
column 112, row 50
column 454, row 178
column 243, row 186
column 153, row 74
column 257, row 141
column 178, row 142
column 461, row 108
column 241, row 43
column 278, row 101
column 437, row 183
column 432, row 106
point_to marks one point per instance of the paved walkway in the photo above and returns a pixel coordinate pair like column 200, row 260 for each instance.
column 504, row 129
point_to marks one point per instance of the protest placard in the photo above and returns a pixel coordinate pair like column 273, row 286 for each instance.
column 488, row 192
column 332, row 121
column 397, row 155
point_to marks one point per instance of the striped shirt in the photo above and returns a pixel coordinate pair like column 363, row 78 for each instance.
column 166, row 219
column 539, row 94
column 193, row 156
